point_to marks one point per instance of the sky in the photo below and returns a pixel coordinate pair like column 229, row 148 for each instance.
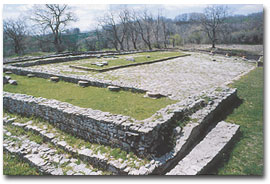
column 88, row 14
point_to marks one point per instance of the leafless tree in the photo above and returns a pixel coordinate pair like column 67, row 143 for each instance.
column 157, row 28
column 16, row 30
column 212, row 20
column 165, row 30
column 55, row 18
column 115, row 24
column 132, row 28
column 145, row 25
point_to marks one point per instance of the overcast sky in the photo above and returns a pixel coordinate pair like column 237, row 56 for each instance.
column 88, row 14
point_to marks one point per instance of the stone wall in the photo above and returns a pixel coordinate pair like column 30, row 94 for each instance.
column 125, row 66
column 67, row 58
column 142, row 137
column 31, row 58
column 72, row 78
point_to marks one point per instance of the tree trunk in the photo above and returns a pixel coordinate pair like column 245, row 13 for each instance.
column 165, row 44
column 127, row 42
column 134, row 45
column 214, row 39
column 57, row 44
column 121, row 46
column 149, row 46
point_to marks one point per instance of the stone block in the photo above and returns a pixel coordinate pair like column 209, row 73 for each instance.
column 114, row 88
column 13, row 82
column 30, row 75
column 104, row 62
column 83, row 83
column 6, row 79
column 130, row 59
column 99, row 64
column 153, row 94
column 54, row 79
column 8, row 72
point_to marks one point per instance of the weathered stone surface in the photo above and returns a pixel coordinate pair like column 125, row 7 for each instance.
column 99, row 64
column 6, row 79
column 8, row 72
column 13, row 82
column 114, row 88
column 153, row 94
column 30, row 75
column 207, row 151
column 83, row 83
column 104, row 62
column 54, row 79
column 130, row 59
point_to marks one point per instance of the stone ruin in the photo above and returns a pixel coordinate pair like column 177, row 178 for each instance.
column 185, row 138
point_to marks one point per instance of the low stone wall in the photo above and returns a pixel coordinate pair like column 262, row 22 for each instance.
column 31, row 58
column 72, row 78
column 124, row 66
column 142, row 137
column 67, row 58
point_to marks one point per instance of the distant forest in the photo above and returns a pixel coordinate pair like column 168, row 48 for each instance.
column 130, row 30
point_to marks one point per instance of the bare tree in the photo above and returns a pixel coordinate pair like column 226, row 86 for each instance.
column 132, row 28
column 16, row 30
column 212, row 20
column 145, row 25
column 115, row 24
column 53, row 17
column 156, row 29
column 166, row 32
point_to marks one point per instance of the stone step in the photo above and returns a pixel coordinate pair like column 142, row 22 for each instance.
column 206, row 154
column 47, row 160
column 97, row 159
column 201, row 121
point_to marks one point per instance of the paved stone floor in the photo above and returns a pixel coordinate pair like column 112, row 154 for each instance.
column 177, row 78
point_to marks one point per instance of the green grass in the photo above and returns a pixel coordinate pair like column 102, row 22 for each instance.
column 247, row 155
column 123, row 102
column 121, row 60
column 13, row 165
column 21, row 132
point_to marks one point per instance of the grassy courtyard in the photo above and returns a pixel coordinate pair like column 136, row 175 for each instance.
column 121, row 60
column 247, row 155
column 122, row 102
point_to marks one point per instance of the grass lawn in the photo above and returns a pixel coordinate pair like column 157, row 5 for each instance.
column 122, row 102
column 247, row 155
column 121, row 60
column 13, row 165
